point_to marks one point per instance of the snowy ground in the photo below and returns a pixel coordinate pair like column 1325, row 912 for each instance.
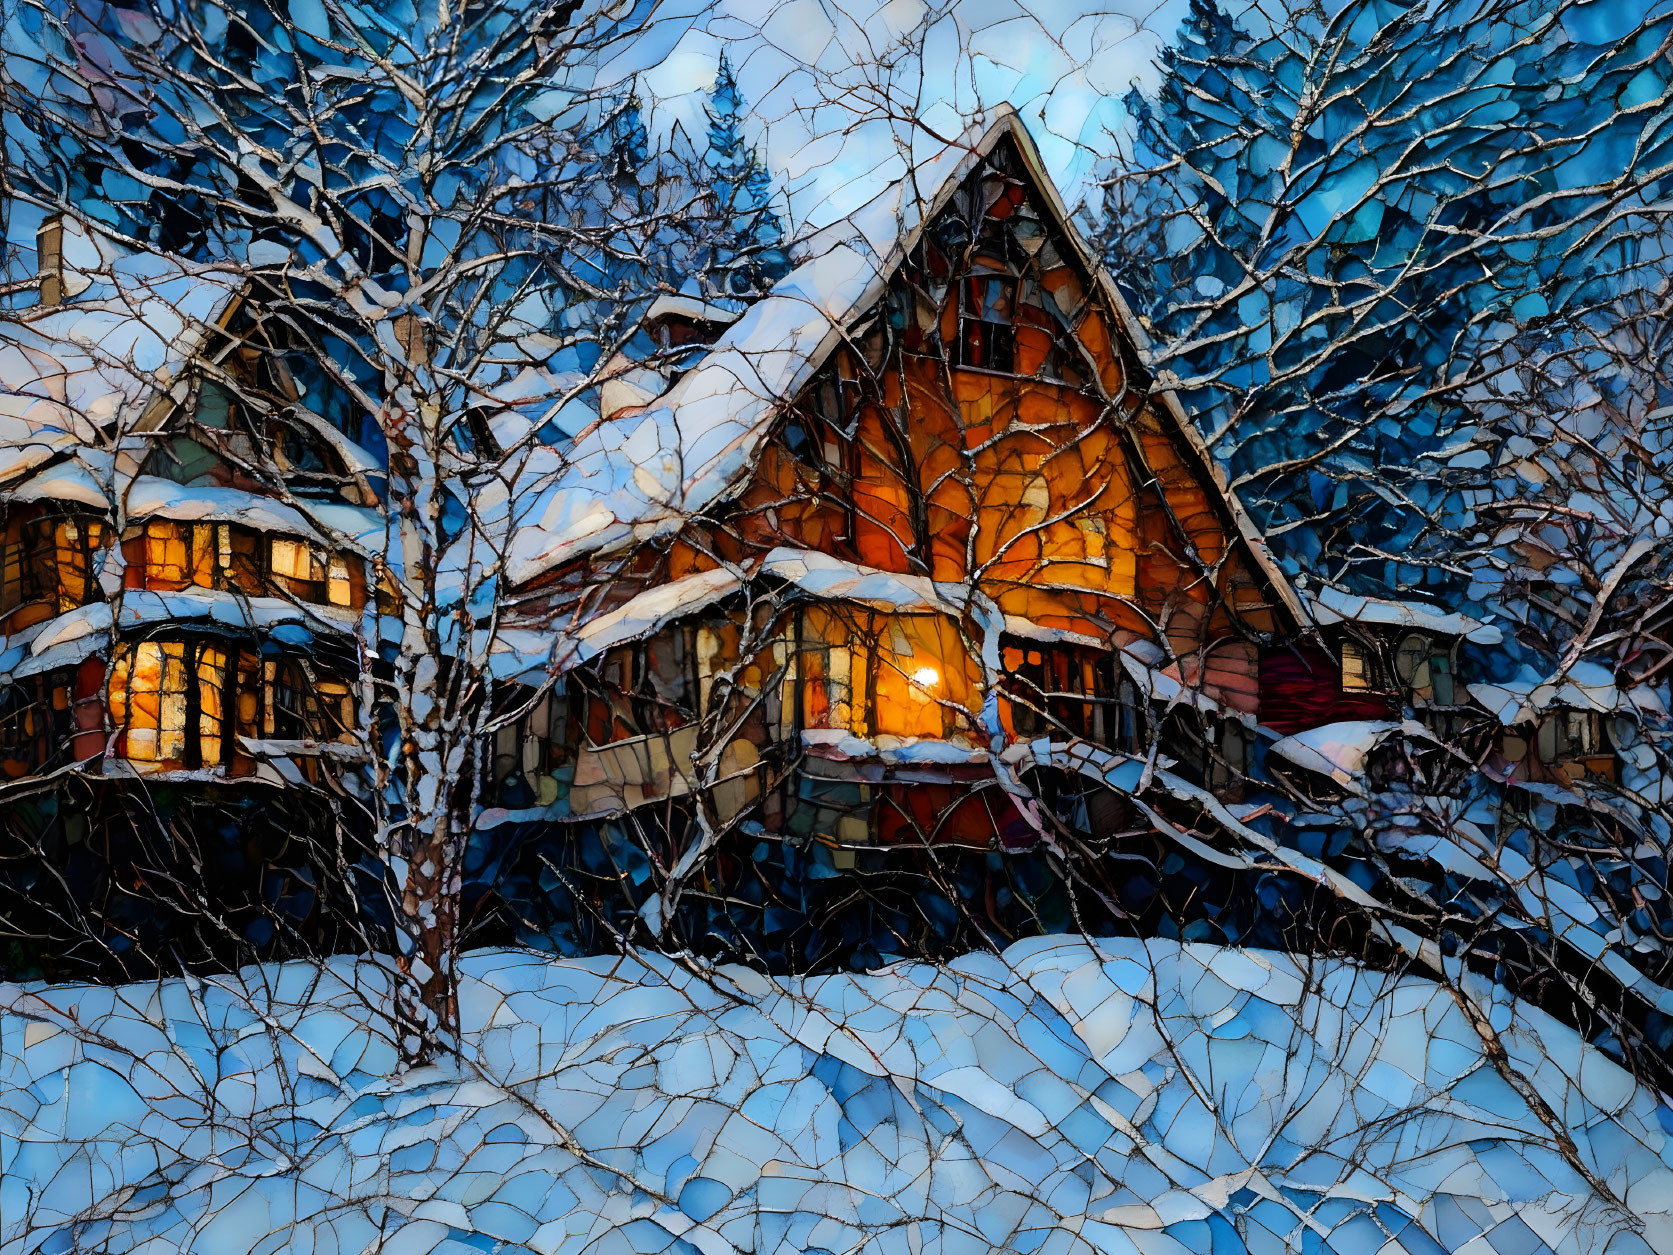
column 1065, row 1097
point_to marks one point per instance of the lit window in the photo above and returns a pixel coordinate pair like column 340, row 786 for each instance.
column 338, row 590
column 827, row 673
column 166, row 556
column 211, row 695
column 12, row 567
column 148, row 701
column 76, row 543
column 178, row 704
column 47, row 560
column 1356, row 667
column 294, row 559
column 336, row 709
column 171, row 700
column 239, row 552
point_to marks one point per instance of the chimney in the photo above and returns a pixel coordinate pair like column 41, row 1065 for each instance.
column 49, row 246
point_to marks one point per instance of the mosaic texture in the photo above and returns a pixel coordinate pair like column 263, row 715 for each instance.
column 1066, row 1097
column 597, row 599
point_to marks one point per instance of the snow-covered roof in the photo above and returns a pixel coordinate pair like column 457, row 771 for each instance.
column 827, row 578
column 67, row 481
column 648, row 613
column 1027, row 629
column 645, row 474
column 819, row 576
column 648, row 473
column 1339, row 750
column 77, row 376
column 143, row 607
column 67, row 639
column 678, row 305
column 59, row 642
column 840, row 745
column 1585, row 686
column 1334, row 605
column 34, row 430
column 148, row 496
column 78, row 367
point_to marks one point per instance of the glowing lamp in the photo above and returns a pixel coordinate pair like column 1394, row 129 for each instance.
column 926, row 677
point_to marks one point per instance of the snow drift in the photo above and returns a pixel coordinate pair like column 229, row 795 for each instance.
column 1067, row 1096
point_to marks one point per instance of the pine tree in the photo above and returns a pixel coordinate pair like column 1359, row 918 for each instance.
column 742, row 252
column 629, row 256
column 1331, row 224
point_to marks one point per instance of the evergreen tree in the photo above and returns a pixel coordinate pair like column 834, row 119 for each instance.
column 1327, row 227
column 742, row 252
column 628, row 258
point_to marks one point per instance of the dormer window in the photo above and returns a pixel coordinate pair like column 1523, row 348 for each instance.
column 987, row 339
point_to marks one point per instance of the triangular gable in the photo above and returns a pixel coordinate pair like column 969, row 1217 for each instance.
column 646, row 474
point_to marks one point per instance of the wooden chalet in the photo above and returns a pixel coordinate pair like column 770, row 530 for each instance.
column 912, row 549
column 163, row 613
column 916, row 543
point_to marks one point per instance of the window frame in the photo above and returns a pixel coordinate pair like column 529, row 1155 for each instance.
column 966, row 319
column 234, row 557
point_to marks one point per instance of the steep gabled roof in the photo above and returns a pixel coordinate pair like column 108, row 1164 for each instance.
column 647, row 473
column 78, row 376
column 71, row 372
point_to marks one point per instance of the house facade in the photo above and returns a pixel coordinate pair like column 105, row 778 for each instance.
column 158, row 602
column 912, row 554
column 936, row 562
column 180, row 665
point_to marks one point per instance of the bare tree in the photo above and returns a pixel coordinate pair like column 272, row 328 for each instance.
column 1417, row 312
column 412, row 321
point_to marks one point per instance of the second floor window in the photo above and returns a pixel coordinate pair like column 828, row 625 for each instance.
column 987, row 338
column 227, row 556
column 50, row 561
column 1359, row 669
column 639, row 690
column 1565, row 735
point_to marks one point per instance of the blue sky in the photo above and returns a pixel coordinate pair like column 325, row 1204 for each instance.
column 821, row 76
